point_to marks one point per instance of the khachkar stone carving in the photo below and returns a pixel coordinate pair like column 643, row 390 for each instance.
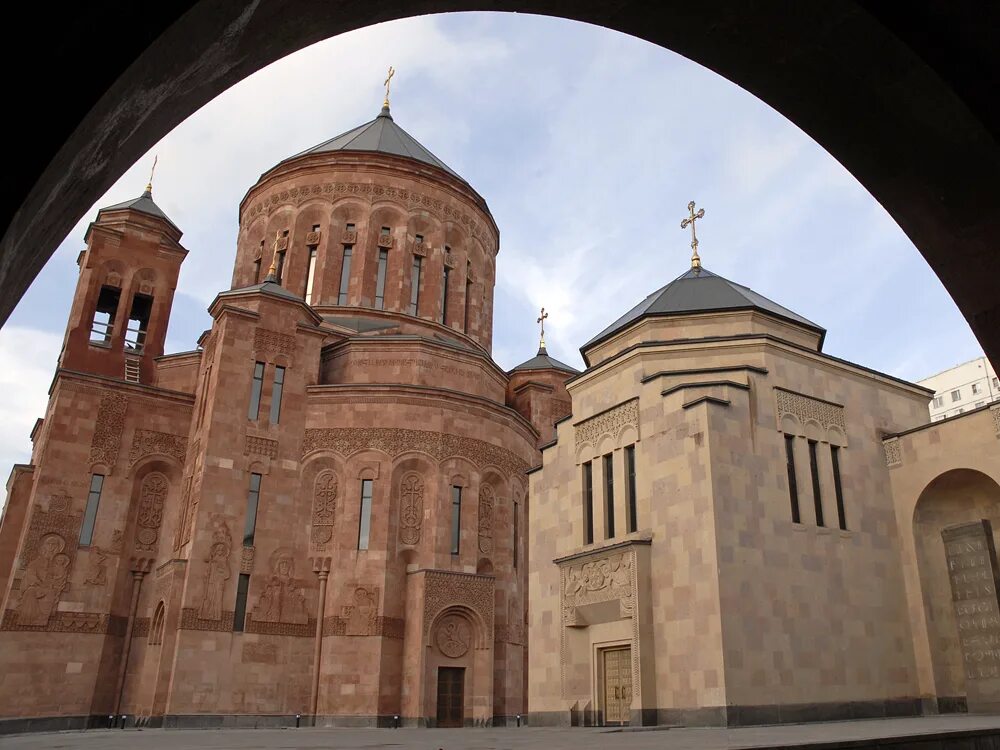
column 217, row 572
column 411, row 508
column 45, row 579
column 58, row 519
column 361, row 616
column 605, row 579
column 804, row 408
column 282, row 599
column 152, row 494
column 445, row 589
column 453, row 636
column 149, row 442
column 272, row 342
column 108, row 432
column 972, row 569
column 608, row 423
column 487, row 502
column 324, row 508
column 395, row 442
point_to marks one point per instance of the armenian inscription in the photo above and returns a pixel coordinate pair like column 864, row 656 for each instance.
column 972, row 570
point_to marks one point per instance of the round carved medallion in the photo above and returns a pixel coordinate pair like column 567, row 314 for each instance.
column 453, row 636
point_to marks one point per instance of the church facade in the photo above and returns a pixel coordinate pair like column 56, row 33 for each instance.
column 321, row 511
column 733, row 527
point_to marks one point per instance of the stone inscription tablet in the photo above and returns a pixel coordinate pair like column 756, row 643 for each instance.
column 972, row 570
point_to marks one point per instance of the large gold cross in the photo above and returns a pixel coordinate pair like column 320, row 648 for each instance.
column 541, row 321
column 385, row 83
column 691, row 219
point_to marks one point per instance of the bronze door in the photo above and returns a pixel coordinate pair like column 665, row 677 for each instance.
column 617, row 685
column 451, row 697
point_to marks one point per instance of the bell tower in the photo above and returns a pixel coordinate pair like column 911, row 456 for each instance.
column 128, row 273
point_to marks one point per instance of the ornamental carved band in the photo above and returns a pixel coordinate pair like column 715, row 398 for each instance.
column 609, row 423
column 272, row 342
column 149, row 442
column 324, row 507
column 804, row 409
column 259, row 446
column 601, row 580
column 443, row 589
column 487, row 502
column 394, row 442
column 108, row 431
column 152, row 494
column 411, row 508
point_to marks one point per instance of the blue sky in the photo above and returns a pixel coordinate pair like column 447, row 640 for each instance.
column 587, row 145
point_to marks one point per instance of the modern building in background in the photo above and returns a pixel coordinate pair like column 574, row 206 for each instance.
column 962, row 388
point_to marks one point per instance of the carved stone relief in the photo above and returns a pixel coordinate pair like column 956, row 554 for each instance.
column 69, row 622
column 360, row 617
column 148, row 442
column 108, row 431
column 45, row 579
column 97, row 574
column 453, row 636
column 218, row 570
column 995, row 411
column 804, row 408
column 324, row 508
column 608, row 423
column 487, row 503
column 605, row 579
column 411, row 508
column 272, row 342
column 260, row 446
column 152, row 494
column 893, row 455
column 282, row 599
column 443, row 589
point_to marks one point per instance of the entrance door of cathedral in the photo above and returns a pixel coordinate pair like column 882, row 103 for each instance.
column 451, row 697
column 617, row 685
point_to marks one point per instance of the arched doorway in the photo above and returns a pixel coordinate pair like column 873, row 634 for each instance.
column 954, row 497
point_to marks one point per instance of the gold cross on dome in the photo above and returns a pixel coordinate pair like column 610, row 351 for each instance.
column 691, row 219
column 385, row 83
column 541, row 321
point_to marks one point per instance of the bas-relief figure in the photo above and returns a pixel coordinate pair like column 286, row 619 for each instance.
column 45, row 578
column 282, row 599
column 217, row 572
column 360, row 616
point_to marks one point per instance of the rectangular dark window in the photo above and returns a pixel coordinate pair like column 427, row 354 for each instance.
column 103, row 325
column 793, row 487
column 383, row 260
column 517, row 532
column 256, row 271
column 138, row 323
column 588, row 503
column 838, row 488
column 345, row 275
column 90, row 514
column 468, row 296
column 253, row 498
column 444, row 295
column 240, row 613
column 418, row 263
column 311, row 275
column 609, row 497
column 817, row 497
column 632, row 521
column 258, row 381
column 279, row 384
column 365, row 524
column 456, row 519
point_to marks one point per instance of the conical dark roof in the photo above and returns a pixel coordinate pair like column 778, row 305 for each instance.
column 699, row 290
column 381, row 135
column 144, row 203
column 542, row 361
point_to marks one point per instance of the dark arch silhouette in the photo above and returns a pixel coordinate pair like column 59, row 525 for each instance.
column 902, row 94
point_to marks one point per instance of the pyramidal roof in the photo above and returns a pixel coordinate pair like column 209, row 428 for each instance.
column 381, row 135
column 699, row 290
column 144, row 204
column 542, row 361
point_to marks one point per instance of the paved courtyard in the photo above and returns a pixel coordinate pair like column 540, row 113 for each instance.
column 497, row 739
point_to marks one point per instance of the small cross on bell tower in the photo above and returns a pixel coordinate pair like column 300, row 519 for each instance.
column 541, row 321
column 691, row 219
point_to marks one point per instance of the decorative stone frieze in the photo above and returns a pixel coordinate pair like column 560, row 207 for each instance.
column 149, row 442
column 266, row 342
column 108, row 431
column 893, row 453
column 806, row 408
column 608, row 423
column 260, row 446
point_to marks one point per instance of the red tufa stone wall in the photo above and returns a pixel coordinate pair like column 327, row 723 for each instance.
column 540, row 396
column 398, row 404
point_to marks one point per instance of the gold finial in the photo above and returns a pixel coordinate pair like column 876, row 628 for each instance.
column 541, row 321
column 272, row 272
column 149, row 185
column 691, row 219
column 386, row 84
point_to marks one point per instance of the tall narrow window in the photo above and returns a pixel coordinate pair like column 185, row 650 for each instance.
column 90, row 514
column 468, row 295
column 383, row 260
column 280, row 263
column 240, row 613
column 138, row 323
column 793, row 487
column 444, row 286
column 345, row 275
column 418, row 263
column 456, row 519
column 279, row 384
column 632, row 521
column 311, row 274
column 837, row 486
column 103, row 324
column 256, row 270
column 588, row 503
column 253, row 499
column 609, row 496
column 814, row 468
column 517, row 532
column 365, row 524
column 203, row 397
column 258, row 381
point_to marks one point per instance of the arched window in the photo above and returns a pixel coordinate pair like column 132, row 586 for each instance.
column 156, row 627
